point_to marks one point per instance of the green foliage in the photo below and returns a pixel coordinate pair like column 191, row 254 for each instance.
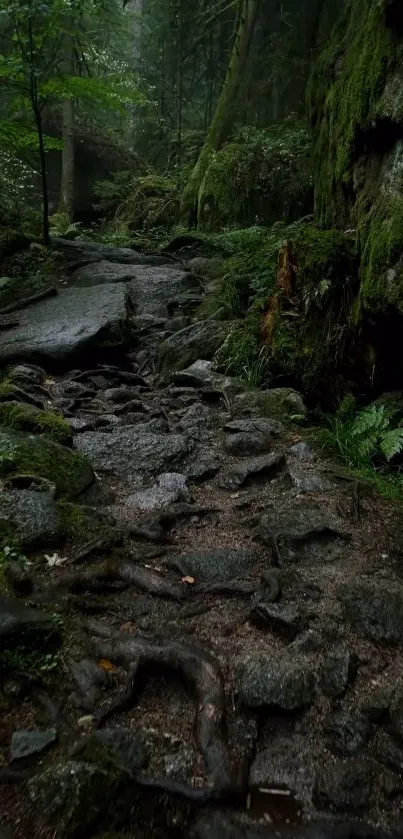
column 243, row 356
column 141, row 202
column 262, row 176
column 367, row 441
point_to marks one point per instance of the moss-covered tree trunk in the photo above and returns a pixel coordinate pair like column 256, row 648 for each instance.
column 224, row 116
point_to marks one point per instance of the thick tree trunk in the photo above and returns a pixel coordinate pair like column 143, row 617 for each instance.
column 66, row 200
column 224, row 116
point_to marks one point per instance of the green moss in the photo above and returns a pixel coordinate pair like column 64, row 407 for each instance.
column 262, row 174
column 345, row 96
column 80, row 524
column 27, row 418
column 381, row 236
column 69, row 471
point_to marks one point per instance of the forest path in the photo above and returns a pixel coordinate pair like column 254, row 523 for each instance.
column 252, row 594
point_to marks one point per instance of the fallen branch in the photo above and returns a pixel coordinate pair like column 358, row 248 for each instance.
column 202, row 674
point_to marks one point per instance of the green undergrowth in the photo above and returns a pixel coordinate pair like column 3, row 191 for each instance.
column 262, row 174
column 369, row 441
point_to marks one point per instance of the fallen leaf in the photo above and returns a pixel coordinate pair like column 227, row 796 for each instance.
column 189, row 580
column 54, row 561
column 106, row 665
column 86, row 722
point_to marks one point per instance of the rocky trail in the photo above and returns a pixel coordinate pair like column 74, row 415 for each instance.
column 223, row 607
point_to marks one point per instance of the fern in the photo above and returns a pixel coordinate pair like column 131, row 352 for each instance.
column 391, row 443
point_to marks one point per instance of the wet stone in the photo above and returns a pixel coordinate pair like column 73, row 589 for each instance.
column 261, row 682
column 303, row 531
column 338, row 670
column 257, row 468
column 377, row 614
column 28, row 744
column 347, row 733
column 344, row 786
column 216, row 566
column 284, row 619
column 247, row 443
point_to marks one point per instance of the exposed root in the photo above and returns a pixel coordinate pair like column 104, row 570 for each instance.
column 122, row 571
column 204, row 678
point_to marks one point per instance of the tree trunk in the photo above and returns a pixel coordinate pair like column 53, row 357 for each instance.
column 224, row 116
column 66, row 200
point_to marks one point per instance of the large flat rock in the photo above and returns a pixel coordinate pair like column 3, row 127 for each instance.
column 153, row 288
column 73, row 322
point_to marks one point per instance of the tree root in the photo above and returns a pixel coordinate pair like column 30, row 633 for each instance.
column 126, row 572
column 204, row 678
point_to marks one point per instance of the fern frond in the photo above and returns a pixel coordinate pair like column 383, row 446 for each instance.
column 391, row 443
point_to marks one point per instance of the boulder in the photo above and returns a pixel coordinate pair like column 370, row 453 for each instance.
column 22, row 417
column 29, row 518
column 69, row 471
column 152, row 288
column 216, row 566
column 199, row 340
column 248, row 470
column 92, row 252
column 303, row 531
column 345, row 786
column 262, row 682
column 201, row 374
column 347, row 733
column 31, row 744
column 131, row 453
column 76, row 795
column 375, row 612
column 338, row 670
column 282, row 403
column 65, row 326
column 246, row 443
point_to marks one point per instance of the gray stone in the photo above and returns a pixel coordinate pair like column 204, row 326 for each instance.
column 286, row 764
column 284, row 618
column 344, row 786
column 74, row 796
column 216, row 566
column 376, row 707
column 198, row 421
column 124, row 747
column 305, row 530
column 20, row 625
column 154, row 498
column 390, row 754
column 348, row 733
column 73, row 322
column 199, row 340
column 131, row 454
column 245, row 443
column 89, row 679
column 251, row 469
column 91, row 252
column 203, row 466
column 173, row 481
column 376, row 613
column 303, row 451
column 120, row 394
column 201, row 374
column 27, row 744
column 33, row 515
column 309, row 481
column 261, row 682
column 261, row 425
column 338, row 670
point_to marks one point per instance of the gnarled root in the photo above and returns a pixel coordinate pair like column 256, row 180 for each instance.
column 204, row 678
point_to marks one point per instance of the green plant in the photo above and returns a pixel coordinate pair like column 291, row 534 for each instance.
column 366, row 439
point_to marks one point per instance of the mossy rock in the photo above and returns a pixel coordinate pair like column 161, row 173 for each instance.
column 28, row 418
column 69, row 471
column 199, row 340
column 80, row 523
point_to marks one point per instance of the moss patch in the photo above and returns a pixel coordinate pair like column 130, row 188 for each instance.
column 69, row 471
column 27, row 418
